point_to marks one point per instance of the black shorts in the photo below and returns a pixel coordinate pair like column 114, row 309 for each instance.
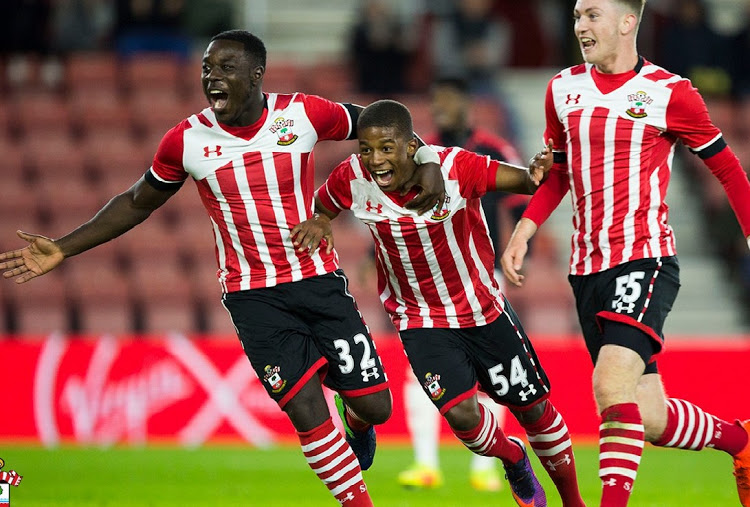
column 449, row 363
column 293, row 330
column 638, row 293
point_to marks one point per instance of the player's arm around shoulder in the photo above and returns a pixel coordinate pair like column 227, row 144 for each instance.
column 308, row 235
column 521, row 180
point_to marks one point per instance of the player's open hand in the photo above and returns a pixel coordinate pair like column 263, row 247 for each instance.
column 41, row 256
column 512, row 261
column 429, row 179
column 541, row 163
column 308, row 235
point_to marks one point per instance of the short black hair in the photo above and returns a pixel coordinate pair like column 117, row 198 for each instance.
column 254, row 47
column 387, row 113
column 459, row 84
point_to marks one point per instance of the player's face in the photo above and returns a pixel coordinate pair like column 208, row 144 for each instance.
column 598, row 29
column 231, row 82
column 388, row 156
column 449, row 107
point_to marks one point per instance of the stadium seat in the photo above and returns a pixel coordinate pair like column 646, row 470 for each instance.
column 154, row 71
column 112, row 152
column 99, row 109
column 100, row 291
column 161, row 289
column 38, row 111
column 283, row 77
column 53, row 153
column 157, row 109
column 40, row 306
column 218, row 322
column 90, row 71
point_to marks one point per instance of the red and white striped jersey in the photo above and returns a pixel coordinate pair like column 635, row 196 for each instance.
column 435, row 270
column 256, row 183
column 617, row 134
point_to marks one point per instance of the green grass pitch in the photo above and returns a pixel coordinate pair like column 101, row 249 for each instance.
column 279, row 477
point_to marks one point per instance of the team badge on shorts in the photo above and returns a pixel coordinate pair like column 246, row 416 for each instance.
column 432, row 386
column 442, row 213
column 638, row 102
column 273, row 378
column 283, row 129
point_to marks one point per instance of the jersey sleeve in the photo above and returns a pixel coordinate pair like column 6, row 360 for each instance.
column 335, row 194
column 473, row 172
column 554, row 129
column 688, row 119
column 331, row 120
column 549, row 194
column 167, row 170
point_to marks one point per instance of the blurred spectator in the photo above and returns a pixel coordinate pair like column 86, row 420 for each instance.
column 692, row 49
column 380, row 47
column 151, row 26
column 24, row 40
column 82, row 25
column 472, row 43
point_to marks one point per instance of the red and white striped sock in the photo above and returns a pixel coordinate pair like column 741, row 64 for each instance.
column 689, row 427
column 488, row 439
column 549, row 438
column 621, row 437
column 334, row 462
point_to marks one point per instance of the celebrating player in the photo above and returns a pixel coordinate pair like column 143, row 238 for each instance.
column 614, row 122
column 435, row 278
column 249, row 154
column 450, row 105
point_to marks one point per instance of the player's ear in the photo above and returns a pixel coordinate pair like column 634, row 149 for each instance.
column 629, row 24
column 257, row 73
column 411, row 147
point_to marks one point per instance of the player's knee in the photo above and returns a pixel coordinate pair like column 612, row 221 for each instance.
column 464, row 416
column 531, row 415
column 375, row 408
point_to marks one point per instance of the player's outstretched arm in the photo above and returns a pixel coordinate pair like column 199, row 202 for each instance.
column 308, row 234
column 514, row 254
column 42, row 255
column 119, row 215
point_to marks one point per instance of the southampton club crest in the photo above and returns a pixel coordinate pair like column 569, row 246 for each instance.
column 273, row 378
column 433, row 387
column 7, row 479
column 283, row 129
column 442, row 213
column 638, row 102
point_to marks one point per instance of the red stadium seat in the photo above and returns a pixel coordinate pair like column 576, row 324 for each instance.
column 150, row 71
column 100, row 291
column 159, row 109
column 100, row 109
column 40, row 306
column 38, row 111
column 54, row 153
column 89, row 71
column 162, row 290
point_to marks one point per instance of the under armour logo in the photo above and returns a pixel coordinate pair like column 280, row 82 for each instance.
column 367, row 375
column 610, row 482
column 349, row 496
column 525, row 394
column 207, row 151
column 573, row 99
column 621, row 306
column 562, row 461
column 377, row 208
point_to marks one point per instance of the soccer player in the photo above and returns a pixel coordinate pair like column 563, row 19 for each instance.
column 450, row 105
column 614, row 122
column 250, row 155
column 435, row 278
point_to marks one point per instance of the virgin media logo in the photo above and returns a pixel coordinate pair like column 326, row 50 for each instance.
column 108, row 391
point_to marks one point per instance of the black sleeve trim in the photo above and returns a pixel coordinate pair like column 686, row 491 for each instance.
column 171, row 186
column 711, row 150
column 354, row 115
column 559, row 157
